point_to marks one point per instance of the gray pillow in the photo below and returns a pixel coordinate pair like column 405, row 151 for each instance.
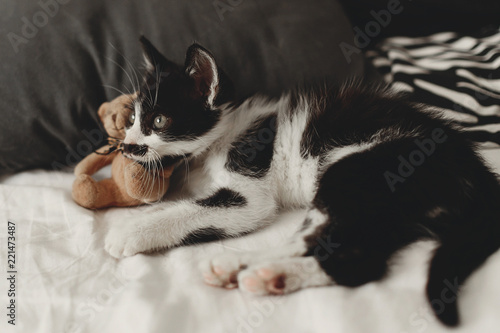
column 60, row 58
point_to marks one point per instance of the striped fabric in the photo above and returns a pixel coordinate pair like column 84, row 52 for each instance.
column 459, row 74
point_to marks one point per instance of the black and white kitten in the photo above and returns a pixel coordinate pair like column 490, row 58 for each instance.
column 375, row 172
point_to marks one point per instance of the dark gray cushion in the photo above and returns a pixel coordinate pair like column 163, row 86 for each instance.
column 57, row 58
column 373, row 20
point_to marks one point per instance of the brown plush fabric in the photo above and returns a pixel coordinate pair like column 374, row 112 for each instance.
column 130, row 183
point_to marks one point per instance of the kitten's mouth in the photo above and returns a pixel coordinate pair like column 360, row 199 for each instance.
column 135, row 150
column 164, row 161
column 135, row 157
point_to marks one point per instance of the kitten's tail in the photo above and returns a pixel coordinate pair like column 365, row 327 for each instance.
column 453, row 262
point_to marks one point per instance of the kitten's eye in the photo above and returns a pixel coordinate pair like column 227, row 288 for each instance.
column 160, row 122
column 131, row 118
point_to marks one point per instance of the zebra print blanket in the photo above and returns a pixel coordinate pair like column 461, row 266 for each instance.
column 457, row 73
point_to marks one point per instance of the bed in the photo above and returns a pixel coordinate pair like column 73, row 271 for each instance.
column 66, row 282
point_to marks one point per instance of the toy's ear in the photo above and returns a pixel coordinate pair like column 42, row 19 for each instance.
column 107, row 117
column 103, row 110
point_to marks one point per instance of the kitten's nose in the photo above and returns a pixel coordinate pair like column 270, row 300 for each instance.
column 139, row 150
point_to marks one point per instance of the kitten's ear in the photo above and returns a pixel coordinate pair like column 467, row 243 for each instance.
column 155, row 61
column 200, row 66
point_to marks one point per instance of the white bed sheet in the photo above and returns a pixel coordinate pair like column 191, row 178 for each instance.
column 66, row 282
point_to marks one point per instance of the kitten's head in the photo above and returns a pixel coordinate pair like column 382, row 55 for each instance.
column 176, row 107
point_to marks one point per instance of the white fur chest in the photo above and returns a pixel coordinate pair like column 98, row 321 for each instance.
column 293, row 176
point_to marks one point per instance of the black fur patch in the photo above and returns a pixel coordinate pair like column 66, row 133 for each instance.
column 372, row 218
column 223, row 198
column 351, row 116
column 252, row 154
column 204, row 235
column 188, row 119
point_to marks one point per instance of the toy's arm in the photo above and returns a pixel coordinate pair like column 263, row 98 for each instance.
column 94, row 162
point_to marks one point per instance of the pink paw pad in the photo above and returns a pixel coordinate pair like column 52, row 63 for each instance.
column 219, row 270
column 251, row 284
column 276, row 285
column 208, row 277
column 265, row 273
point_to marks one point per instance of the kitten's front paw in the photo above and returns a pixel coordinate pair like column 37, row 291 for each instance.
column 123, row 241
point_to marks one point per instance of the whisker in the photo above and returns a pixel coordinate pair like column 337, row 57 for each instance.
column 129, row 63
column 151, row 177
column 157, row 170
column 186, row 174
column 154, row 175
column 160, row 169
column 150, row 98
column 158, row 76
column 116, row 89
column 144, row 175
column 124, row 70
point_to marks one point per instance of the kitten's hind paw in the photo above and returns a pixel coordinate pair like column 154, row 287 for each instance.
column 263, row 281
column 222, row 271
column 282, row 276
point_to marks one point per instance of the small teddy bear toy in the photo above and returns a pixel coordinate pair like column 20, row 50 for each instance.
column 131, row 184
